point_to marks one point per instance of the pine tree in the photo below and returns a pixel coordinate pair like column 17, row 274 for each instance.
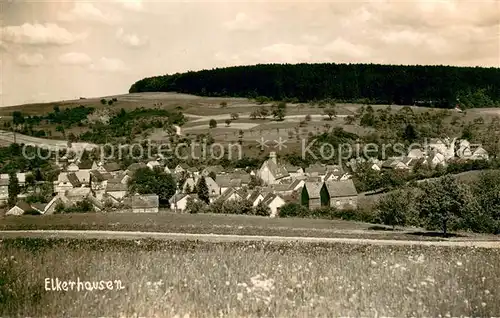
column 14, row 189
column 202, row 190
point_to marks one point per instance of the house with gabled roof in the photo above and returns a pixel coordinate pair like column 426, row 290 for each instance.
column 315, row 170
column 189, row 185
column 153, row 164
column 181, row 168
column 294, row 171
column 213, row 189
column 21, row 208
column 241, row 175
column 274, row 202
column 479, row 153
column 116, row 189
column 314, row 195
column 436, row 159
column 271, row 172
column 297, row 184
column 231, row 194
column 62, row 184
column 111, row 167
column 255, row 197
column 416, row 153
column 342, row 194
column 178, row 202
column 145, row 203
column 217, row 169
column 225, row 182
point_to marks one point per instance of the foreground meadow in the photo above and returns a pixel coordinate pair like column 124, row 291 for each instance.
column 195, row 279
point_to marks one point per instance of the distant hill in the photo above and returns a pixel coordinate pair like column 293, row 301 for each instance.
column 437, row 86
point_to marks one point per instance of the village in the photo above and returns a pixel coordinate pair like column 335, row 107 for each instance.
column 275, row 183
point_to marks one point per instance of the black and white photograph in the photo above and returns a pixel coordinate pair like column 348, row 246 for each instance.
column 249, row 158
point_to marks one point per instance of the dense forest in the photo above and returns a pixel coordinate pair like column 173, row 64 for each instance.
column 438, row 86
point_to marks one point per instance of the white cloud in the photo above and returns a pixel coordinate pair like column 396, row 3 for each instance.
column 286, row 53
column 243, row 22
column 132, row 40
column 413, row 38
column 39, row 34
column 25, row 59
column 75, row 58
column 109, row 65
column 341, row 47
column 133, row 5
column 88, row 12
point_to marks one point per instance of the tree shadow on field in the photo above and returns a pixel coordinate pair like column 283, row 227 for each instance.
column 436, row 234
column 382, row 228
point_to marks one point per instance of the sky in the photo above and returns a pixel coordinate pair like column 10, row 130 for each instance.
column 59, row 50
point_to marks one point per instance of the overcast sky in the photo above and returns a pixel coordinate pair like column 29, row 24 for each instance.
column 53, row 50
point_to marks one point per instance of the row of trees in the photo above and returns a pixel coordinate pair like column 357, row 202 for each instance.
column 445, row 204
column 383, row 84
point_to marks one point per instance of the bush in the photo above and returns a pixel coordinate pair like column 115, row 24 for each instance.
column 32, row 212
column 261, row 210
column 212, row 123
column 290, row 210
column 195, row 206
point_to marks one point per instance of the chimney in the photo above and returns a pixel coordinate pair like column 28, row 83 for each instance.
column 272, row 156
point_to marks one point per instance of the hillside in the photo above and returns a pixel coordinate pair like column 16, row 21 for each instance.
column 438, row 86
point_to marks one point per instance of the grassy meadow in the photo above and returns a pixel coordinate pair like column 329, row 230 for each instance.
column 253, row 279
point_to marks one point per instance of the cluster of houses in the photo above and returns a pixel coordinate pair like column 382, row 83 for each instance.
column 280, row 183
column 104, row 185
column 437, row 152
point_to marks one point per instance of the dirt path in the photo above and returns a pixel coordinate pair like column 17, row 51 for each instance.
column 72, row 234
column 198, row 118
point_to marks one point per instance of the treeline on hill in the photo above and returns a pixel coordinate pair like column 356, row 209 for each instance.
column 64, row 119
column 438, row 86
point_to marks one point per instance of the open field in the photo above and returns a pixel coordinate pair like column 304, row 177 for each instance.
column 200, row 110
column 222, row 224
column 246, row 279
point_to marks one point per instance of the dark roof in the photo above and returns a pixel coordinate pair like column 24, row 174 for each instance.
column 295, row 183
column 269, row 198
column 291, row 168
column 177, row 197
column 39, row 206
column 254, row 195
column 278, row 171
column 337, row 189
column 315, row 169
column 313, row 189
column 228, row 193
column 223, row 181
column 281, row 187
column 85, row 165
column 96, row 176
column 24, row 206
column 216, row 169
column 111, row 167
column 73, row 179
column 115, row 186
column 244, row 177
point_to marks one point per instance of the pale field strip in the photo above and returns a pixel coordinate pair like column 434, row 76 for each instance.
column 125, row 235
